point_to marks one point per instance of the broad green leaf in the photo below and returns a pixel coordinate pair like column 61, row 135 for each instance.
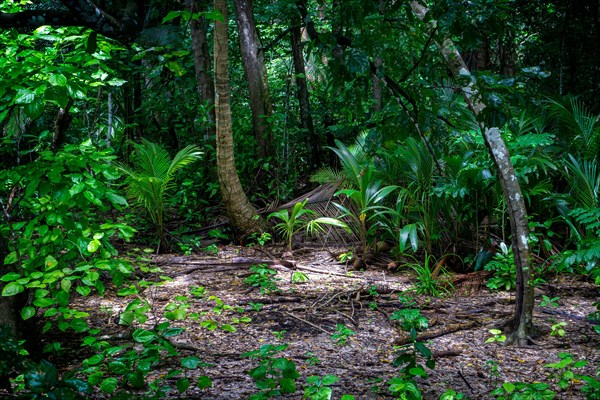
column 509, row 387
column 191, row 362
column 330, row 380
column 94, row 245
column 24, row 96
column 35, row 108
column 204, row 382
column 109, row 385
column 11, row 258
column 228, row 328
column 12, row 288
column 11, row 276
column 57, row 80
column 176, row 68
column 50, row 262
column 143, row 335
column 27, row 312
column 182, row 384
column 116, row 199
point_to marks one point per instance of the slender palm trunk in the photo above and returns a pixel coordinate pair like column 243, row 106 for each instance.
column 240, row 212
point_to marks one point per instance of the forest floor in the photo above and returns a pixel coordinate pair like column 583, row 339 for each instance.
column 306, row 315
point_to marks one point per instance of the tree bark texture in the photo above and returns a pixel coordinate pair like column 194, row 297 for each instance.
column 522, row 322
column 242, row 215
column 202, row 65
column 256, row 74
column 313, row 145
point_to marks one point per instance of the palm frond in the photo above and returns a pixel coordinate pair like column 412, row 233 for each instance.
column 585, row 182
column 328, row 175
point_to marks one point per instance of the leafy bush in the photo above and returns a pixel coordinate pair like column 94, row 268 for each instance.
column 504, row 269
column 60, row 237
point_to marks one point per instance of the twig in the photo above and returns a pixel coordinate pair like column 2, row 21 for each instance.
column 307, row 322
column 464, row 379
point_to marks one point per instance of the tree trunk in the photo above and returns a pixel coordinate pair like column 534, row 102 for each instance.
column 202, row 65
column 521, row 324
column 313, row 146
column 256, row 74
column 240, row 212
column 377, row 95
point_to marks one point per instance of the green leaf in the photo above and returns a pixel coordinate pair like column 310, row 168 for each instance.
column 116, row 199
column 10, row 258
column 24, row 96
column 182, row 384
column 11, row 276
column 287, row 385
column 109, row 385
column 50, row 262
column 143, row 335
column 509, row 387
column 94, row 245
column 204, row 382
column 57, row 80
column 191, row 362
column 12, row 288
column 228, row 328
column 172, row 15
column 27, row 312
column 214, row 15
column 175, row 67
column 35, row 108
column 330, row 380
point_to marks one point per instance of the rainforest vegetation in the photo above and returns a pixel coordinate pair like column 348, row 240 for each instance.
column 441, row 140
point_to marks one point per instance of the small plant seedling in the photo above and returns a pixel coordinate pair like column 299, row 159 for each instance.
column 549, row 302
column 299, row 277
column 274, row 375
column 521, row 390
column 340, row 337
column 492, row 367
column 497, row 336
column 558, row 329
column 564, row 370
column 212, row 249
column 259, row 238
column 256, row 306
column 319, row 388
column 279, row 334
column 346, row 257
column 262, row 277
column 198, row 291
column 452, row 395
column 407, row 300
column 296, row 220
column 312, row 359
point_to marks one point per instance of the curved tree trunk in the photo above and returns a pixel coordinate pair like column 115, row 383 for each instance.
column 240, row 212
column 256, row 74
column 521, row 325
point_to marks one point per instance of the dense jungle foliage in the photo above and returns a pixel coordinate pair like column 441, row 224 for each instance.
column 113, row 141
